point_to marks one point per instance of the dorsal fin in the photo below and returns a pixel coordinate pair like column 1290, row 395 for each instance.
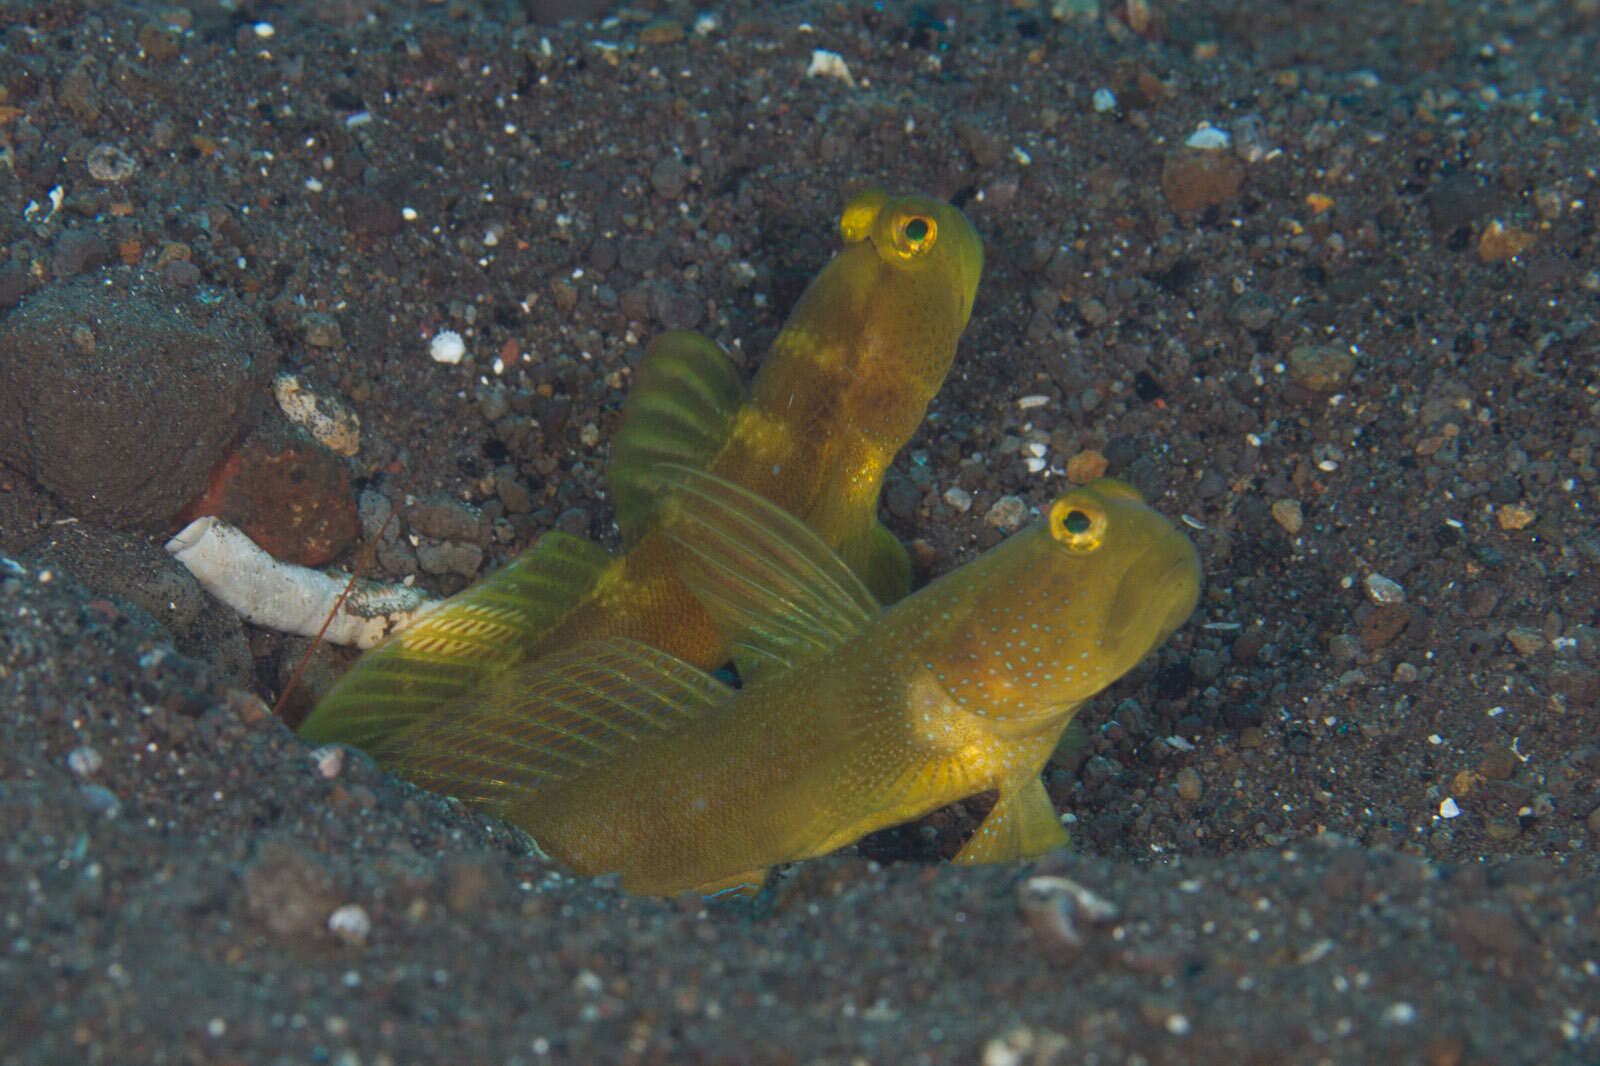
column 680, row 410
column 552, row 718
column 775, row 589
column 459, row 645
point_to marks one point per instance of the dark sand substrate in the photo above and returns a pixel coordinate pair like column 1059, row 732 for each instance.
column 1337, row 822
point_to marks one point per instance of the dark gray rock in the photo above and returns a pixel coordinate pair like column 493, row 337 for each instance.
column 118, row 395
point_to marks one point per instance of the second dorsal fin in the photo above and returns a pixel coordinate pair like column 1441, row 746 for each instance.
column 777, row 591
column 550, row 719
column 681, row 408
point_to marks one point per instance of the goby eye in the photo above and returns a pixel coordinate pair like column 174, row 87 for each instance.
column 915, row 234
column 1078, row 523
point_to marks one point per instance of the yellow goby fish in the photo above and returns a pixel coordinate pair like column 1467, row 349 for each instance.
column 846, row 383
column 618, row 758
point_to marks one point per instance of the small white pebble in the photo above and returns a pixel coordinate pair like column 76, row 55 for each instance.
column 959, row 498
column 265, row 30
column 1448, row 809
column 999, row 1052
column 84, row 761
column 1032, row 400
column 1401, row 1013
column 447, row 347
column 1209, row 138
column 1178, row 1024
column 329, row 760
column 1105, row 100
column 1008, row 513
column 350, row 923
column 1383, row 590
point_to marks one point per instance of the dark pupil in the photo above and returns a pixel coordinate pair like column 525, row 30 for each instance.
column 1076, row 522
column 917, row 230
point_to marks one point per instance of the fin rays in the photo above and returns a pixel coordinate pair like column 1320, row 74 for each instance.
column 466, row 641
column 681, row 410
column 548, row 721
column 781, row 595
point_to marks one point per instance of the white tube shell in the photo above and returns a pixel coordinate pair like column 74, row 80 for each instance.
column 289, row 598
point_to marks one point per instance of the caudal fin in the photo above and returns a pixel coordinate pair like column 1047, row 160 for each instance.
column 467, row 640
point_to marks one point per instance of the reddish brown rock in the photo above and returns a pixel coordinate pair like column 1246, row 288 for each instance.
column 1197, row 178
column 1382, row 624
column 287, row 493
column 1499, row 241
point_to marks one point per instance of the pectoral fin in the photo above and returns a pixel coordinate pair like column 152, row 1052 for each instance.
column 1022, row 825
column 888, row 569
column 553, row 718
column 780, row 594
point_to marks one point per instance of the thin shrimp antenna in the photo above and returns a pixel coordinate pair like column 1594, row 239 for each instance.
column 363, row 563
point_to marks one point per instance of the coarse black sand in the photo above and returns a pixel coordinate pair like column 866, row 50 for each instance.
column 1349, row 814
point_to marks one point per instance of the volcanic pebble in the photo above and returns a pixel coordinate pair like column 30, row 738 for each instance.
column 1196, row 178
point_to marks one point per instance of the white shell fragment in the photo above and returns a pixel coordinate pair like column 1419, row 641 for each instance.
column 289, row 598
column 1056, row 910
column 111, row 164
column 328, row 419
column 350, row 923
column 447, row 347
column 826, row 64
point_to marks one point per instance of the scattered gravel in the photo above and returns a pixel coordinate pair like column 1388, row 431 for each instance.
column 1326, row 822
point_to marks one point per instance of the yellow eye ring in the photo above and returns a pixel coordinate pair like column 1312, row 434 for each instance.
column 914, row 234
column 1078, row 523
